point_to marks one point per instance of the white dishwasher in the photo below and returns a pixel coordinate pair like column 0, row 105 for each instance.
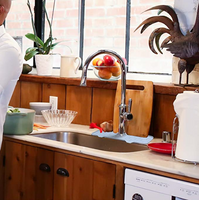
column 146, row 186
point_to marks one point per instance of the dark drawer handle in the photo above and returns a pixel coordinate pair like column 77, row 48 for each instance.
column 62, row 172
column 44, row 167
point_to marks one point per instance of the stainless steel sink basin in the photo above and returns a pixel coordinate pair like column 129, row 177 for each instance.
column 91, row 141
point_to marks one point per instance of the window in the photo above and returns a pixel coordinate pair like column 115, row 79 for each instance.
column 65, row 25
column 107, row 25
column 103, row 24
column 141, row 58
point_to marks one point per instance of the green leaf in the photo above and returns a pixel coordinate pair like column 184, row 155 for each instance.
column 48, row 41
column 31, row 49
column 30, row 54
column 47, row 50
column 35, row 39
column 50, row 47
column 54, row 44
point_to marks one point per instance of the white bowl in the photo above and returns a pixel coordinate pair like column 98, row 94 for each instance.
column 59, row 118
column 39, row 106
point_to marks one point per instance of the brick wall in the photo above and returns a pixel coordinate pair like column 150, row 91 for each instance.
column 18, row 21
column 104, row 28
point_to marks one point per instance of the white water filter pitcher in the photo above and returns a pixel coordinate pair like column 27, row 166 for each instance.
column 186, row 106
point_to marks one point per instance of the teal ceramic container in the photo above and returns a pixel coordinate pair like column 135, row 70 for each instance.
column 19, row 123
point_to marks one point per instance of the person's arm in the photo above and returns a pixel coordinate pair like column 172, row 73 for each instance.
column 10, row 66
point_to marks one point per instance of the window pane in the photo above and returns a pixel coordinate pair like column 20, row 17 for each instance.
column 105, row 23
column 18, row 23
column 142, row 59
column 65, row 25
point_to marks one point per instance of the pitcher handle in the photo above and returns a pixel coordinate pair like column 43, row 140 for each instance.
column 175, row 130
column 79, row 63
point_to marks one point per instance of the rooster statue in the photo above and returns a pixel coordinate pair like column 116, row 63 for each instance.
column 185, row 47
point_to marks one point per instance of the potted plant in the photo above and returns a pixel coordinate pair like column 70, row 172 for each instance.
column 43, row 58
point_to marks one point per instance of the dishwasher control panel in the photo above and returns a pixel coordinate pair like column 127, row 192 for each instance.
column 146, row 184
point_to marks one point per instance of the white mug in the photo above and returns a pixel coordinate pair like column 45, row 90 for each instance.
column 69, row 66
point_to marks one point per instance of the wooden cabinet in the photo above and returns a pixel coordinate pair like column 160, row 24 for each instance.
column 14, row 166
column 82, row 178
column 33, row 173
column 44, row 174
column 26, row 174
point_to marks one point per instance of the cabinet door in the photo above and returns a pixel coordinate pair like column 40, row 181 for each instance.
column 86, row 178
column 38, row 174
column 61, row 177
column 78, row 184
column 44, row 174
column 30, row 173
column 104, row 181
column 19, row 182
column 27, row 176
column 81, row 179
column 14, row 166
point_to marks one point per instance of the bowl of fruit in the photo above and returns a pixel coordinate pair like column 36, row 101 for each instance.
column 107, row 68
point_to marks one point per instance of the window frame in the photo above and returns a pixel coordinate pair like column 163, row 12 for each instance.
column 39, row 19
column 40, row 27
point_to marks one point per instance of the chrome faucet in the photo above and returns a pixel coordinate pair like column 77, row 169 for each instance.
column 123, row 115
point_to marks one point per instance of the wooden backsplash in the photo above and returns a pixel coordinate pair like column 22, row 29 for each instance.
column 95, row 102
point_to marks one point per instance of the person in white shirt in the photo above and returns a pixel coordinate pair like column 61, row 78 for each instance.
column 11, row 62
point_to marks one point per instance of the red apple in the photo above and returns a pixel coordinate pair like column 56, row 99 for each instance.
column 108, row 60
column 100, row 62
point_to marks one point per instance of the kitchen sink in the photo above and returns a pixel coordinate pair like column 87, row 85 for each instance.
column 94, row 142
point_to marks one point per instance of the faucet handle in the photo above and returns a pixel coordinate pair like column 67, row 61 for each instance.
column 129, row 105
column 127, row 115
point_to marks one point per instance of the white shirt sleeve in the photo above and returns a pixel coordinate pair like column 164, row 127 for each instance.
column 11, row 63
column 10, row 66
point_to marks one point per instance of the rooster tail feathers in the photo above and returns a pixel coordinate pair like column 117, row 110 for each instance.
column 166, row 41
column 145, row 26
column 157, row 42
column 165, row 8
column 155, row 35
column 151, row 20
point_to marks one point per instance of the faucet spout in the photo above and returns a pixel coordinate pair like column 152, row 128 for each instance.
column 122, row 106
column 84, row 76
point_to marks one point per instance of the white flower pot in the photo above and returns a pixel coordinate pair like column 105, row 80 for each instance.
column 44, row 64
